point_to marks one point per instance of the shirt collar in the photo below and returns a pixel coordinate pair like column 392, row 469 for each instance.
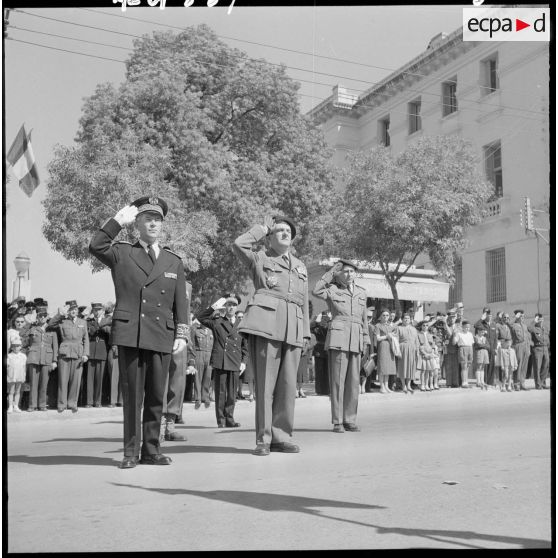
column 145, row 246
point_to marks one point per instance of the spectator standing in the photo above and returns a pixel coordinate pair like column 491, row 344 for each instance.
column 489, row 325
column 42, row 355
column 115, row 394
column 540, row 344
column 506, row 358
column 228, row 357
column 451, row 363
column 278, row 326
column 425, row 357
column 18, row 330
column 521, row 343
column 464, row 340
column 15, row 374
column 98, row 329
column 368, row 371
column 409, row 346
column 481, row 356
column 385, row 362
column 319, row 327
column 346, row 341
column 202, row 344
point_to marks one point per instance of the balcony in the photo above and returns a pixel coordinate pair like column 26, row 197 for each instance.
column 493, row 209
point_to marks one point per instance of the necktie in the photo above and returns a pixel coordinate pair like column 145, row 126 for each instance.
column 151, row 253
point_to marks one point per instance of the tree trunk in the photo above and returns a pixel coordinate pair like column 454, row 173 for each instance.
column 397, row 305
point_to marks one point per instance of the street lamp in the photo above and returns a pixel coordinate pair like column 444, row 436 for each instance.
column 22, row 283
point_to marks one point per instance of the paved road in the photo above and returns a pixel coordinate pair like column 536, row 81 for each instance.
column 449, row 469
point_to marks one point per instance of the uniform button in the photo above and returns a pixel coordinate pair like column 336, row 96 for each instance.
column 163, row 292
column 144, row 301
column 158, row 304
column 143, row 315
column 157, row 318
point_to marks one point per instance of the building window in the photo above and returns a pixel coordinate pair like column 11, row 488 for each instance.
column 493, row 167
column 384, row 131
column 456, row 290
column 414, row 117
column 449, row 96
column 490, row 80
column 496, row 275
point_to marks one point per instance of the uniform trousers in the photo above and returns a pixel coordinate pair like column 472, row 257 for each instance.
column 113, row 372
column 344, row 376
column 69, row 381
column 275, row 365
column 202, row 380
column 451, row 367
column 225, row 386
column 176, row 385
column 522, row 351
column 95, row 374
column 143, row 375
column 38, row 381
column 540, row 365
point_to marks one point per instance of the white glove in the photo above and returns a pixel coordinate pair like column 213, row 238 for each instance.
column 219, row 304
column 126, row 215
column 242, row 368
column 179, row 345
column 190, row 370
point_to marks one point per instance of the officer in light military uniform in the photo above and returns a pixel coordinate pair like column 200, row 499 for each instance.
column 148, row 322
column 277, row 324
column 42, row 354
column 202, row 343
column 347, row 339
column 228, row 356
column 73, row 352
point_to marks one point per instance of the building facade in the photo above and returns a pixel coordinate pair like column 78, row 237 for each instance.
column 497, row 96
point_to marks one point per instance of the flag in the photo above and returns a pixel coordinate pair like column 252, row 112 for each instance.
column 21, row 158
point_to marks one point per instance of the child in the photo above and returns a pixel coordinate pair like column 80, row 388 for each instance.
column 16, row 374
column 481, row 356
column 425, row 361
column 464, row 341
column 435, row 359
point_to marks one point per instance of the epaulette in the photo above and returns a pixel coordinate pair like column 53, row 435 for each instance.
column 167, row 249
column 123, row 242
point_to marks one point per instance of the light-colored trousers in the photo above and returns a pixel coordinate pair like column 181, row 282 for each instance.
column 275, row 365
column 344, row 371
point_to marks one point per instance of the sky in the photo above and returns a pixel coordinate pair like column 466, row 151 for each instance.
column 45, row 88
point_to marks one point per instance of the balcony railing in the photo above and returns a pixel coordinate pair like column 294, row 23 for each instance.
column 493, row 209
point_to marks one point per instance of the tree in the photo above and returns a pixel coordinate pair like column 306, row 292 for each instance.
column 397, row 206
column 219, row 135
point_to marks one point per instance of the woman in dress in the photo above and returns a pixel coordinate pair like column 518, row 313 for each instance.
column 385, row 362
column 408, row 345
column 425, row 362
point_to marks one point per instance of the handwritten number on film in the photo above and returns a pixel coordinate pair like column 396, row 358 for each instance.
column 162, row 3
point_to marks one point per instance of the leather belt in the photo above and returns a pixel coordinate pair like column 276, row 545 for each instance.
column 352, row 319
column 290, row 297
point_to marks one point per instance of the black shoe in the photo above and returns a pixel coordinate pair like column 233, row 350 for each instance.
column 175, row 436
column 128, row 463
column 285, row 447
column 178, row 420
column 61, row 409
column 261, row 449
column 232, row 425
column 207, row 404
column 97, row 405
column 155, row 459
column 112, row 406
column 74, row 409
column 240, row 397
column 351, row 427
column 30, row 410
column 42, row 409
column 88, row 406
column 338, row 428
column 197, row 405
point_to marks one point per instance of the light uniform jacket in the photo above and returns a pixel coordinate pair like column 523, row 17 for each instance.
column 74, row 340
column 348, row 329
column 151, row 300
column 43, row 346
column 279, row 308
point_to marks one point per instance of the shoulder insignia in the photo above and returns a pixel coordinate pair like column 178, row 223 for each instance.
column 167, row 249
column 123, row 242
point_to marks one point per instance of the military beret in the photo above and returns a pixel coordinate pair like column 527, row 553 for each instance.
column 231, row 297
column 345, row 261
column 96, row 306
column 151, row 203
column 288, row 220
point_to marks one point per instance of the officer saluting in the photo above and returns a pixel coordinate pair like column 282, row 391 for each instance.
column 148, row 322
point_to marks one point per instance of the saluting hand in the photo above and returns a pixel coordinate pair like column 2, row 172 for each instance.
column 126, row 215
column 269, row 222
column 242, row 368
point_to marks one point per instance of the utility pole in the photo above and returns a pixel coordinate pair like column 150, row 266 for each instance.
column 527, row 219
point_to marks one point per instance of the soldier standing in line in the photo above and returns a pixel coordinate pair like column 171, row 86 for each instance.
column 98, row 329
column 521, row 343
column 319, row 327
column 202, row 343
column 148, row 322
column 278, row 325
column 346, row 340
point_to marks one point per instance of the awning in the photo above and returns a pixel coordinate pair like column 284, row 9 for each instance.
column 408, row 288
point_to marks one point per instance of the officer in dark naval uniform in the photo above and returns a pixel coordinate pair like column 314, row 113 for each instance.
column 98, row 329
column 148, row 322
column 228, row 356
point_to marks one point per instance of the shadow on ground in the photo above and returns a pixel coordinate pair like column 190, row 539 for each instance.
column 63, row 460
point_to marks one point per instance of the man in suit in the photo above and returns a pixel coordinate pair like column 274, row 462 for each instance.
column 346, row 340
column 228, row 356
column 202, row 343
column 277, row 323
column 521, row 343
column 148, row 322
column 540, row 343
column 98, row 329
column 42, row 353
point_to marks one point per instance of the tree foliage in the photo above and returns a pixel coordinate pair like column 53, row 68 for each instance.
column 218, row 135
column 397, row 206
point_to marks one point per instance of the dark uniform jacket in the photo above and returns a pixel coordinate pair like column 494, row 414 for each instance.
column 99, row 333
column 42, row 346
column 151, row 300
column 229, row 346
column 539, row 335
column 279, row 308
column 202, row 338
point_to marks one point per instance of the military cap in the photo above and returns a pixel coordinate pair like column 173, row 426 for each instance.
column 345, row 261
column 72, row 304
column 151, row 203
column 40, row 301
column 518, row 312
column 42, row 309
column 30, row 304
column 459, row 305
column 486, row 310
column 288, row 220
column 451, row 312
column 96, row 306
column 231, row 297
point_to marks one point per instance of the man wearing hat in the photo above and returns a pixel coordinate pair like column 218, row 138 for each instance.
column 540, row 343
column 98, row 329
column 277, row 323
column 487, row 324
column 450, row 361
column 149, row 321
column 73, row 352
column 347, row 339
column 521, row 343
column 228, row 356
column 42, row 354
column 30, row 312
